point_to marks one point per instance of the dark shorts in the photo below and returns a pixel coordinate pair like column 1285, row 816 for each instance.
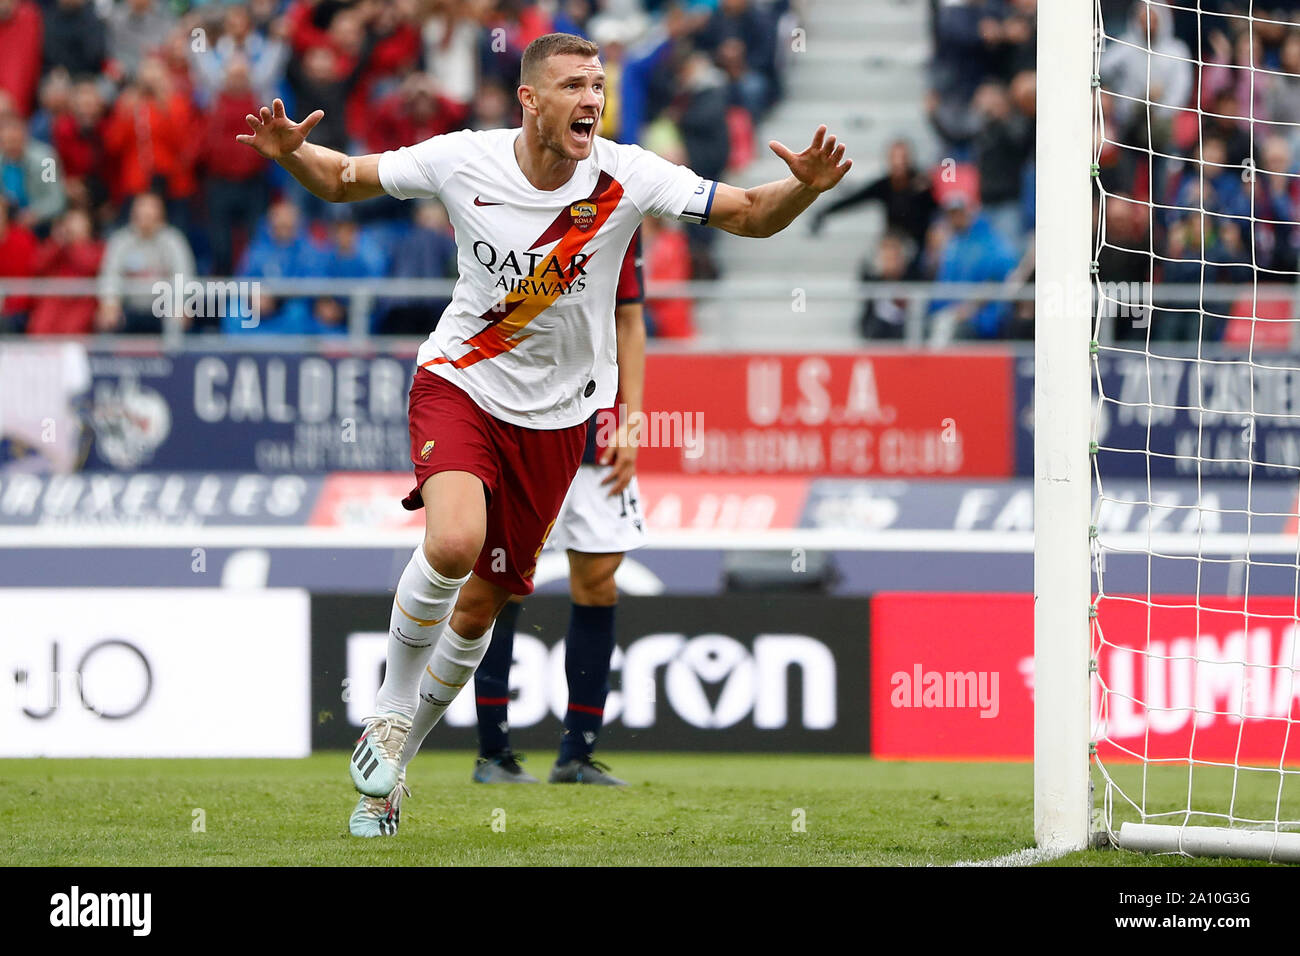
column 525, row 473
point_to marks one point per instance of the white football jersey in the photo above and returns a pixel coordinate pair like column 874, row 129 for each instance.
column 530, row 333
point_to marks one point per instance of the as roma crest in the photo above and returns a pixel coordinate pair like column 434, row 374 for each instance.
column 583, row 214
column 428, row 447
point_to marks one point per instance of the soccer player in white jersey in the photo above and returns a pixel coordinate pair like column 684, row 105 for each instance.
column 520, row 359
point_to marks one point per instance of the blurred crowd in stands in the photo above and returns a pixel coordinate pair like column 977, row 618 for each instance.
column 1200, row 168
column 969, row 215
column 1199, row 163
column 118, row 159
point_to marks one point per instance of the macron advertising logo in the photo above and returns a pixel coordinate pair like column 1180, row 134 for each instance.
column 102, row 909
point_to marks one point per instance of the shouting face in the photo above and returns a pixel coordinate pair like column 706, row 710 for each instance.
column 566, row 102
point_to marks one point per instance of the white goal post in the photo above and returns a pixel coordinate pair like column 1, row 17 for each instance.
column 1182, row 709
column 1062, row 377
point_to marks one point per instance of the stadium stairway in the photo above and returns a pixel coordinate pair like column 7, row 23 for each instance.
column 863, row 73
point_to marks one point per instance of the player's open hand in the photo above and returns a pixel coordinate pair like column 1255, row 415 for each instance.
column 818, row 167
column 274, row 134
column 621, row 459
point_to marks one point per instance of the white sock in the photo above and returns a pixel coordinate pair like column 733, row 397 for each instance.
column 454, row 661
column 421, row 607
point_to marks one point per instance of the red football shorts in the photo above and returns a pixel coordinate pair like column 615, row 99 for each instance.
column 526, row 473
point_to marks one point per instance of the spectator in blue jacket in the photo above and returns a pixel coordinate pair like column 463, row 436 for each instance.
column 427, row 252
column 962, row 59
column 282, row 250
column 351, row 254
column 973, row 252
column 1277, row 203
column 1181, row 263
column 741, row 29
column 1224, row 191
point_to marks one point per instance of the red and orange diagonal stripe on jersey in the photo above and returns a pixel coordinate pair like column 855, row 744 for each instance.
column 517, row 309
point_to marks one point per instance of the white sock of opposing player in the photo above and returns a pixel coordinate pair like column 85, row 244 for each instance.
column 421, row 606
column 454, row 661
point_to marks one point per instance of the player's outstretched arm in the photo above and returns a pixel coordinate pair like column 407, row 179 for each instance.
column 327, row 173
column 765, row 210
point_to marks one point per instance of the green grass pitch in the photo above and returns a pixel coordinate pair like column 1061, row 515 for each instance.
column 697, row 809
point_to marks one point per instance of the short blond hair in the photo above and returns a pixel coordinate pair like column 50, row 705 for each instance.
column 547, row 46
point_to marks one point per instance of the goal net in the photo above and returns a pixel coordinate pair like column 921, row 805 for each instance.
column 1194, row 432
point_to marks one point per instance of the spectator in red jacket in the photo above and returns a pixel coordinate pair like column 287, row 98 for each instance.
column 71, row 252
column 319, row 80
column 667, row 259
column 79, row 142
column 17, row 261
column 21, row 35
column 413, row 114
column 236, row 190
column 396, row 52
column 175, row 54
column 306, row 24
column 397, row 32
column 149, row 137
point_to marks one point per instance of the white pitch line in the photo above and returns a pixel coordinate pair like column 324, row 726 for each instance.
column 1030, row 856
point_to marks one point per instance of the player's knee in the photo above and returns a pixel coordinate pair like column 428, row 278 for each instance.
column 452, row 553
column 472, row 619
column 470, row 626
column 594, row 591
